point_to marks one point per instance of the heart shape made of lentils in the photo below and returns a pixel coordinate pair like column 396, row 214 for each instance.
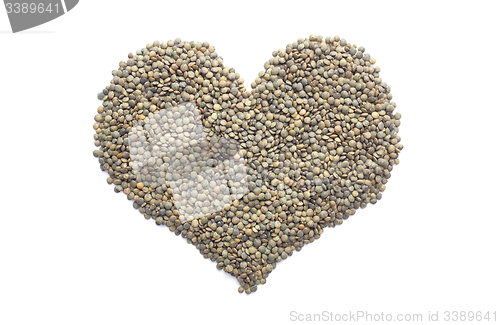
column 248, row 177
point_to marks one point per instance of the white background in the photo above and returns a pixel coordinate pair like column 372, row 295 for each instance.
column 74, row 252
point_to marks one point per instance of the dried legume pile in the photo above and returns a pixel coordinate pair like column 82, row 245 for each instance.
column 318, row 133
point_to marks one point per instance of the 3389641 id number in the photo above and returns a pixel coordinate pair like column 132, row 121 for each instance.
column 24, row 8
column 469, row 316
